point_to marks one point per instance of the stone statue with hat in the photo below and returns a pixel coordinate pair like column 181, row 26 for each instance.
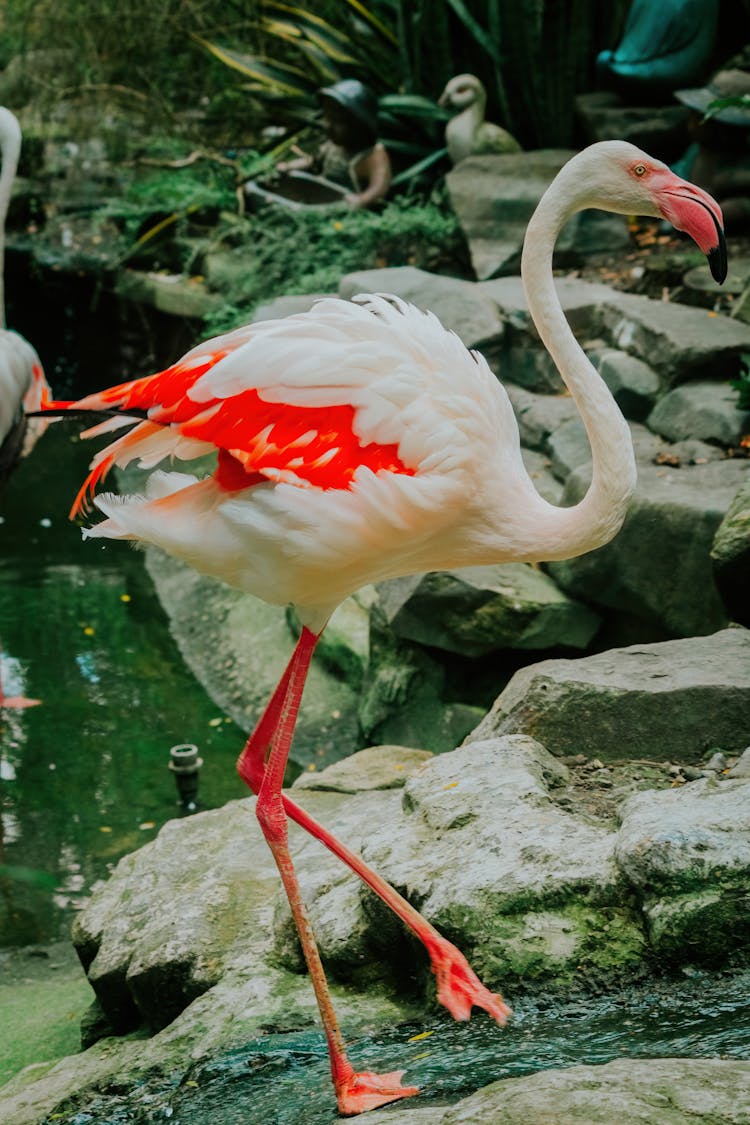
column 351, row 154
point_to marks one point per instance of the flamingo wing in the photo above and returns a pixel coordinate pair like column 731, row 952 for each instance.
column 310, row 400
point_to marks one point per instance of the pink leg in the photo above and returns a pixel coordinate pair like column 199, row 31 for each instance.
column 458, row 987
column 355, row 1092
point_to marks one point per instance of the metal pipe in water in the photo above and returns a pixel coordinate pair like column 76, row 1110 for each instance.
column 185, row 764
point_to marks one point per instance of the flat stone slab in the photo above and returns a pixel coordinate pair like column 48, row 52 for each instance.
column 675, row 699
column 679, row 342
column 646, row 1091
column 494, row 197
column 702, row 410
column 376, row 767
column 169, row 293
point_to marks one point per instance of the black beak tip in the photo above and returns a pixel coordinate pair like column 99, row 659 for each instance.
column 717, row 260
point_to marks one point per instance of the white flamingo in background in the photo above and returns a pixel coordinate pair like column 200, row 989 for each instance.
column 468, row 134
column 22, row 384
column 23, row 387
column 356, row 442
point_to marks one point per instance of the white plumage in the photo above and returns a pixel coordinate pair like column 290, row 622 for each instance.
column 22, row 384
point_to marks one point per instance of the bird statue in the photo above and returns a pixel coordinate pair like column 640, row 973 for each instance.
column 468, row 134
column 22, row 383
column 356, row 442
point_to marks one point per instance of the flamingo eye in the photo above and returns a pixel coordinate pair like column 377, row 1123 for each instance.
column 640, row 170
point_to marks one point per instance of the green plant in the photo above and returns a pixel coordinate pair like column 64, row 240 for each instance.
column 275, row 252
column 742, row 383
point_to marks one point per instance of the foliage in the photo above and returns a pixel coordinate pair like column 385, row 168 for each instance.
column 283, row 252
column 738, row 101
column 143, row 49
column 154, row 194
column 742, row 383
column 533, row 57
column 182, row 59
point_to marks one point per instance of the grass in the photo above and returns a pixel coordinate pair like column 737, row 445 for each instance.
column 41, row 1019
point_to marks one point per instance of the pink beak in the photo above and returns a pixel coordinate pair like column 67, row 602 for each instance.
column 694, row 211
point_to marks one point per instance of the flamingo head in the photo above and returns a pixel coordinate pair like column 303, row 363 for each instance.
column 620, row 177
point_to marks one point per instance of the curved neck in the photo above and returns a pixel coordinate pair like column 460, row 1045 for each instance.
column 10, row 147
column 460, row 130
column 600, row 513
column 474, row 112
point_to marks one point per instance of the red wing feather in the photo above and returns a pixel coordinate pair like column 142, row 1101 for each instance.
column 257, row 440
column 314, row 445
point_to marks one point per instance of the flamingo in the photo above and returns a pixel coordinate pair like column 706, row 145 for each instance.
column 356, row 442
column 468, row 134
column 23, row 387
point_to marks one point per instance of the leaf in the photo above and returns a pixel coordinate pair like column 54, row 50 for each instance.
column 280, row 75
column 373, row 21
column 420, row 166
column 413, row 104
column 739, row 101
column 475, row 29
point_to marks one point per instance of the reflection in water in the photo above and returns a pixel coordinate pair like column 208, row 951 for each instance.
column 84, row 777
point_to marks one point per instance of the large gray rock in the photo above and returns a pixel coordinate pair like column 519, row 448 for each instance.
column 523, row 887
column 730, row 553
column 658, row 129
column 168, row 293
column 658, row 566
column 707, row 411
column 677, row 341
column 287, row 305
column 479, row 609
column 687, row 853
column 148, row 964
column 495, row 196
column 195, row 904
column 376, row 767
column 675, row 699
column 582, row 302
column 646, row 1091
column 539, row 468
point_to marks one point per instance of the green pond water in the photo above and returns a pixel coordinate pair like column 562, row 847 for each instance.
column 283, row 1079
column 84, row 776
